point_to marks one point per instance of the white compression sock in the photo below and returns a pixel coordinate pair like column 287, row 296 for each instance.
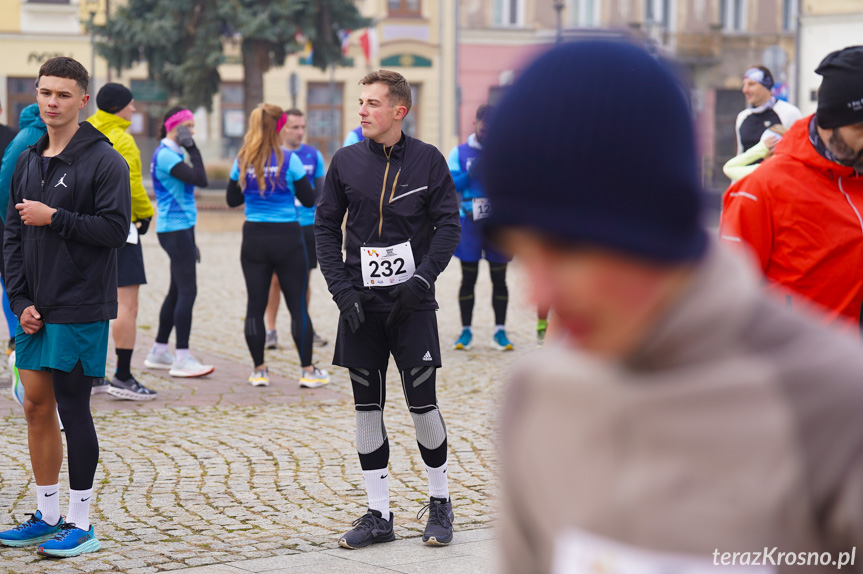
column 438, row 484
column 79, row 508
column 48, row 503
column 378, row 491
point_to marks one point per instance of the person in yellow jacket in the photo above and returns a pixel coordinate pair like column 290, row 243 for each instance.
column 113, row 118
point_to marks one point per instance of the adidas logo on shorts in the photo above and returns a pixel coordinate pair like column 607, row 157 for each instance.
column 427, row 356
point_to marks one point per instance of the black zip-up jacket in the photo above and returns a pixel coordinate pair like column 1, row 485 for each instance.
column 68, row 269
column 404, row 192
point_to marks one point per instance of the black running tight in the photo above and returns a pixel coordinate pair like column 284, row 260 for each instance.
column 499, row 291
column 72, row 391
column 279, row 248
column 177, row 308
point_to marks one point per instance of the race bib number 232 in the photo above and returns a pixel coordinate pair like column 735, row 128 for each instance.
column 384, row 266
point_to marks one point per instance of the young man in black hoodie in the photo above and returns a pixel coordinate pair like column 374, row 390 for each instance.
column 69, row 211
column 402, row 229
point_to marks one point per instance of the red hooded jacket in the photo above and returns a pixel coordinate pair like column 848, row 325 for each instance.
column 802, row 215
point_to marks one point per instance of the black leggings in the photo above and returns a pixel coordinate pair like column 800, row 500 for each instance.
column 499, row 291
column 177, row 308
column 279, row 248
column 72, row 392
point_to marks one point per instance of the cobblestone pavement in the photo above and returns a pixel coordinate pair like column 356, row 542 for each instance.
column 216, row 471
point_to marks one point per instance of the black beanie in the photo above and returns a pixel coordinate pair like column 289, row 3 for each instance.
column 594, row 145
column 840, row 97
column 113, row 97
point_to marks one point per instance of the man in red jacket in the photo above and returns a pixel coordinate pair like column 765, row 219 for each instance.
column 802, row 211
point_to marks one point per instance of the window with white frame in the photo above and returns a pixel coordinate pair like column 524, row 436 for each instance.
column 732, row 15
column 508, row 13
column 658, row 12
column 584, row 13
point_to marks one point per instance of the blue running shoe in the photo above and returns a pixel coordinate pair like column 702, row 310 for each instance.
column 70, row 541
column 500, row 340
column 34, row 531
column 463, row 342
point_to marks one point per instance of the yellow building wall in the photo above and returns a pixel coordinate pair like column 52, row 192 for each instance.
column 11, row 11
column 825, row 7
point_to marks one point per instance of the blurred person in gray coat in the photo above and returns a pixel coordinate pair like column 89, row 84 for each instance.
column 684, row 420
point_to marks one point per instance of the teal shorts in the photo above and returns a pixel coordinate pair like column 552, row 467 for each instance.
column 61, row 345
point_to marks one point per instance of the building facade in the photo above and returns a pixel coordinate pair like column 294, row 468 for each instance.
column 413, row 37
column 714, row 42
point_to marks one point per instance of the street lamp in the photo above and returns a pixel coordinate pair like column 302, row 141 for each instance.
column 558, row 7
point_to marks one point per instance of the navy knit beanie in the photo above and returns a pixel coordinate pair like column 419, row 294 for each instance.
column 113, row 97
column 594, row 145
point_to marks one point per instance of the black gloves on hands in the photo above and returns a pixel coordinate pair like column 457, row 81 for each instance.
column 352, row 309
column 184, row 137
column 407, row 297
column 143, row 225
column 474, row 169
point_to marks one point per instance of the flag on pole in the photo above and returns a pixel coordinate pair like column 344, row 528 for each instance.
column 344, row 37
column 369, row 43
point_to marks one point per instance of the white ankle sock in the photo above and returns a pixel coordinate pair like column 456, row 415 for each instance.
column 378, row 491
column 79, row 508
column 48, row 503
column 438, row 485
column 499, row 328
column 159, row 348
column 181, row 355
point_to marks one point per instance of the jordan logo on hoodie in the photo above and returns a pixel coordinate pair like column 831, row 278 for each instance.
column 59, row 183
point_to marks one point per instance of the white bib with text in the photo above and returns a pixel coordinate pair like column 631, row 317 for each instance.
column 384, row 266
column 481, row 208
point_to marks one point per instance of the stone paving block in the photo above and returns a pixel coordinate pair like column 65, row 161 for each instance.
column 216, row 468
column 472, row 564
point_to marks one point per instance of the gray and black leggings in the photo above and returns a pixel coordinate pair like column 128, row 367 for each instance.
column 418, row 385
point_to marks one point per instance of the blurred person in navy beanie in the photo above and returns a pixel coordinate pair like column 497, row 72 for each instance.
column 628, row 179
column 672, row 427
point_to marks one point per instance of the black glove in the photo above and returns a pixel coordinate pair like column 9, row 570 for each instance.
column 407, row 300
column 474, row 170
column 184, row 137
column 352, row 309
column 143, row 225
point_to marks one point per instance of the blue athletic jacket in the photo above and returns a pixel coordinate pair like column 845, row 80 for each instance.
column 31, row 129
column 459, row 161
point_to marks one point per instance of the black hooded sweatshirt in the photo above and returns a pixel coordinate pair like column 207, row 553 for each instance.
column 68, row 269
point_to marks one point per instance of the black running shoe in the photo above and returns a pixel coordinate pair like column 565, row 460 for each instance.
column 368, row 529
column 438, row 530
column 130, row 390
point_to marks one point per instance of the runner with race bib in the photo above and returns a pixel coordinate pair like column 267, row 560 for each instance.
column 402, row 227
column 464, row 162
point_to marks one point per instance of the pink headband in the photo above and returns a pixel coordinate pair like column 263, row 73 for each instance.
column 281, row 123
column 177, row 119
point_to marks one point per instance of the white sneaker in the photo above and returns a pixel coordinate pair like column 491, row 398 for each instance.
column 260, row 378
column 191, row 367
column 163, row 360
column 314, row 379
